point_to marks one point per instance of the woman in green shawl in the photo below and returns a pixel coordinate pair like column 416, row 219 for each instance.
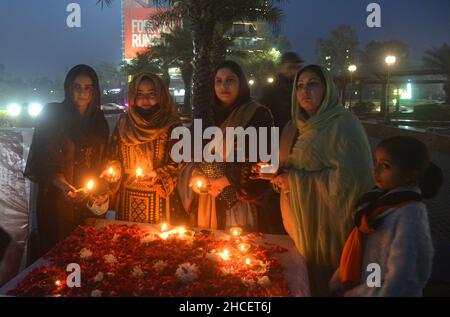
column 327, row 170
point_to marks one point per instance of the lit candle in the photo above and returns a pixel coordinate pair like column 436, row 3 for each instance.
column 139, row 172
column 181, row 232
column 244, row 247
column 164, row 227
column 90, row 185
column 200, row 185
column 236, row 231
column 248, row 261
column 225, row 254
column 58, row 283
column 111, row 171
column 266, row 168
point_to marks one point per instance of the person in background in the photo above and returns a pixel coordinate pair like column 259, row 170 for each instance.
column 278, row 97
column 391, row 225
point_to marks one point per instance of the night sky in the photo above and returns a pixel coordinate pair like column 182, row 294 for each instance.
column 35, row 41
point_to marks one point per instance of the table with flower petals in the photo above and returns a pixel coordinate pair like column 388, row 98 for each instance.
column 293, row 265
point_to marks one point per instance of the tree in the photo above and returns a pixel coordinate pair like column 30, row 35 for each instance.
column 439, row 58
column 109, row 75
column 283, row 44
column 176, row 48
column 261, row 60
column 374, row 54
column 104, row 3
column 142, row 63
column 339, row 50
column 204, row 17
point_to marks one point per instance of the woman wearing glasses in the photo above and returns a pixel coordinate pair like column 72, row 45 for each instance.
column 328, row 163
column 68, row 149
column 140, row 169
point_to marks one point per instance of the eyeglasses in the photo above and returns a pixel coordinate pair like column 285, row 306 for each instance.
column 81, row 89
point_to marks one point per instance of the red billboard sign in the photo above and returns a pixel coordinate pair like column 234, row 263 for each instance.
column 140, row 32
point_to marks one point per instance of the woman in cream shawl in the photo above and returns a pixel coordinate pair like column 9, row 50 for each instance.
column 327, row 170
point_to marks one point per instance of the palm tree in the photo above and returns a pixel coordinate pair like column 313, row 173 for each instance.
column 104, row 3
column 142, row 63
column 439, row 58
column 176, row 49
column 204, row 16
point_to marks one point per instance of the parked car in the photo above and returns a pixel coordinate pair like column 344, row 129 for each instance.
column 113, row 108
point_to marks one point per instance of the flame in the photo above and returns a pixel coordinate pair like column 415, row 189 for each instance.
column 164, row 235
column 90, row 185
column 57, row 282
column 225, row 254
column 247, row 261
column 111, row 171
column 199, row 183
column 243, row 247
column 139, row 172
column 236, row 231
column 164, row 227
column 181, row 231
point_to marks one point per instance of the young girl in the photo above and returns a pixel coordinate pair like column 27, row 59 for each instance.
column 392, row 233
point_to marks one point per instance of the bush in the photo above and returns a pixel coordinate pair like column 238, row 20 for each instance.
column 432, row 112
column 363, row 107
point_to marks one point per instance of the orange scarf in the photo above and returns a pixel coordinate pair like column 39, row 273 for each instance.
column 350, row 267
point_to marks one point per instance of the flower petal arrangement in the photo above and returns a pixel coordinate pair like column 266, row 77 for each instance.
column 125, row 260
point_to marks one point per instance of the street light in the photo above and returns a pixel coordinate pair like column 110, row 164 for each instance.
column 390, row 60
column 352, row 68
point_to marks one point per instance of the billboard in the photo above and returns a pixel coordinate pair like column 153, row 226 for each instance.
column 139, row 33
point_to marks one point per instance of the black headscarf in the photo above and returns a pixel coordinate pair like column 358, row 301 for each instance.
column 219, row 112
column 63, row 120
column 91, row 125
